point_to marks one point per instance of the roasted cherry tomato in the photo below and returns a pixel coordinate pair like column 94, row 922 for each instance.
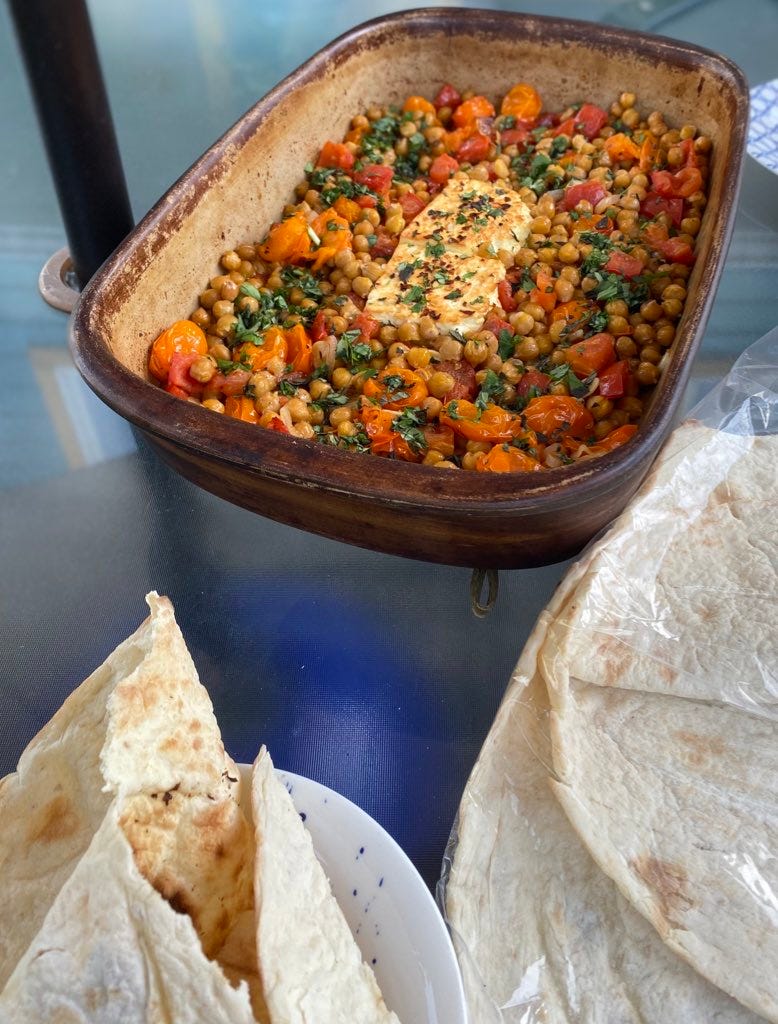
column 465, row 385
column 183, row 336
column 240, row 407
column 683, row 183
column 336, row 154
column 543, row 293
column 440, row 438
column 504, row 458
column 492, row 424
column 288, row 241
column 615, row 439
column 572, row 312
column 319, row 329
column 533, row 379
column 367, row 326
column 273, row 346
column 299, row 349
column 383, row 439
column 522, row 102
column 551, row 413
column 417, row 104
column 621, row 149
column 674, row 250
column 468, row 112
column 514, row 136
column 396, row 387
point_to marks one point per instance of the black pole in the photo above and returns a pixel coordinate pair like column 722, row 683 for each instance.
column 70, row 98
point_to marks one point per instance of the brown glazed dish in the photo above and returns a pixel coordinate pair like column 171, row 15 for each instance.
column 235, row 191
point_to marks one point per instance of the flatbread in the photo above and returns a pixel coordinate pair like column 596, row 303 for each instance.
column 311, row 967
column 541, row 933
column 139, row 731
column 111, row 950
column 662, row 679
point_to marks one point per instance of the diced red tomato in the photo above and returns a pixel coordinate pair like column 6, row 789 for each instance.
column 505, row 295
column 367, row 326
column 411, row 205
column 376, row 177
column 385, row 244
column 654, row 204
column 278, row 425
column 475, row 148
column 442, row 168
column 319, row 330
column 366, row 202
column 232, row 384
column 623, row 263
column 465, row 385
column 591, row 355
column 447, row 97
column 495, row 324
column 614, row 381
column 567, row 127
column 336, row 154
column 674, row 250
column 533, row 379
column 689, row 153
column 179, row 376
column 514, row 136
column 683, row 183
column 172, row 389
column 543, row 293
column 591, row 119
column 592, row 191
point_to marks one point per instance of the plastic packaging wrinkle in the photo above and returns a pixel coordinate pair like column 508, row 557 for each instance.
column 614, row 859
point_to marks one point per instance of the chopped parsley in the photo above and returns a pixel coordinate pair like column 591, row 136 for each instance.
column 491, row 390
column 434, row 249
column 286, row 387
column 330, row 400
column 415, row 298
column 405, row 270
column 352, row 351
column 563, row 374
column 456, row 293
column 408, row 424
column 506, row 344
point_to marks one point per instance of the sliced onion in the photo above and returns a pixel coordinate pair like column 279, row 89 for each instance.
column 605, row 202
column 324, row 351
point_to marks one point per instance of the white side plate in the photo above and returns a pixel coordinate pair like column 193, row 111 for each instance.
column 389, row 909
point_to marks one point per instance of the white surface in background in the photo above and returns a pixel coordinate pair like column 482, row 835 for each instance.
column 763, row 129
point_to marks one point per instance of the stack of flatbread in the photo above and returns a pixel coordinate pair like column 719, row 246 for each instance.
column 615, row 859
column 143, row 881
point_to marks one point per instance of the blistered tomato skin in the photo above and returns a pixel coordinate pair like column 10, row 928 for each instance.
column 349, row 320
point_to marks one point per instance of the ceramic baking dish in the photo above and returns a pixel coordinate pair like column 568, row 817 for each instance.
column 236, row 189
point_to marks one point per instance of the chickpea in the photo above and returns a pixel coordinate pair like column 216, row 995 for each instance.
column 451, row 349
column 527, row 349
column 540, row 225
column 203, row 369
column 432, row 457
column 643, row 333
column 362, row 285
column 651, row 354
column 395, row 224
column 440, row 383
column 247, row 304
column 276, row 366
column 271, row 402
column 230, row 260
column 213, row 404
column 633, row 407
column 647, row 373
column 433, row 407
column 298, row 410
column 534, row 310
column 558, row 388
column 618, row 325
column 340, row 415
column 222, row 308
column 319, row 388
column 418, row 357
column 224, row 325
column 219, row 351
column 445, row 464
column 476, row 351
column 201, row 317
column 602, row 428
column 651, row 311
column 626, row 347
column 521, row 322
column 564, row 289
column 599, row 407
column 341, row 378
column 408, row 332
column 665, row 335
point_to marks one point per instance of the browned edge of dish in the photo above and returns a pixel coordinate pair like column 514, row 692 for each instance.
column 393, row 484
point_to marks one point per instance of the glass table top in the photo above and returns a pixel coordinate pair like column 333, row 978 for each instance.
column 366, row 672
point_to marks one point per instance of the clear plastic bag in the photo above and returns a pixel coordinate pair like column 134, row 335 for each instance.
column 614, row 855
